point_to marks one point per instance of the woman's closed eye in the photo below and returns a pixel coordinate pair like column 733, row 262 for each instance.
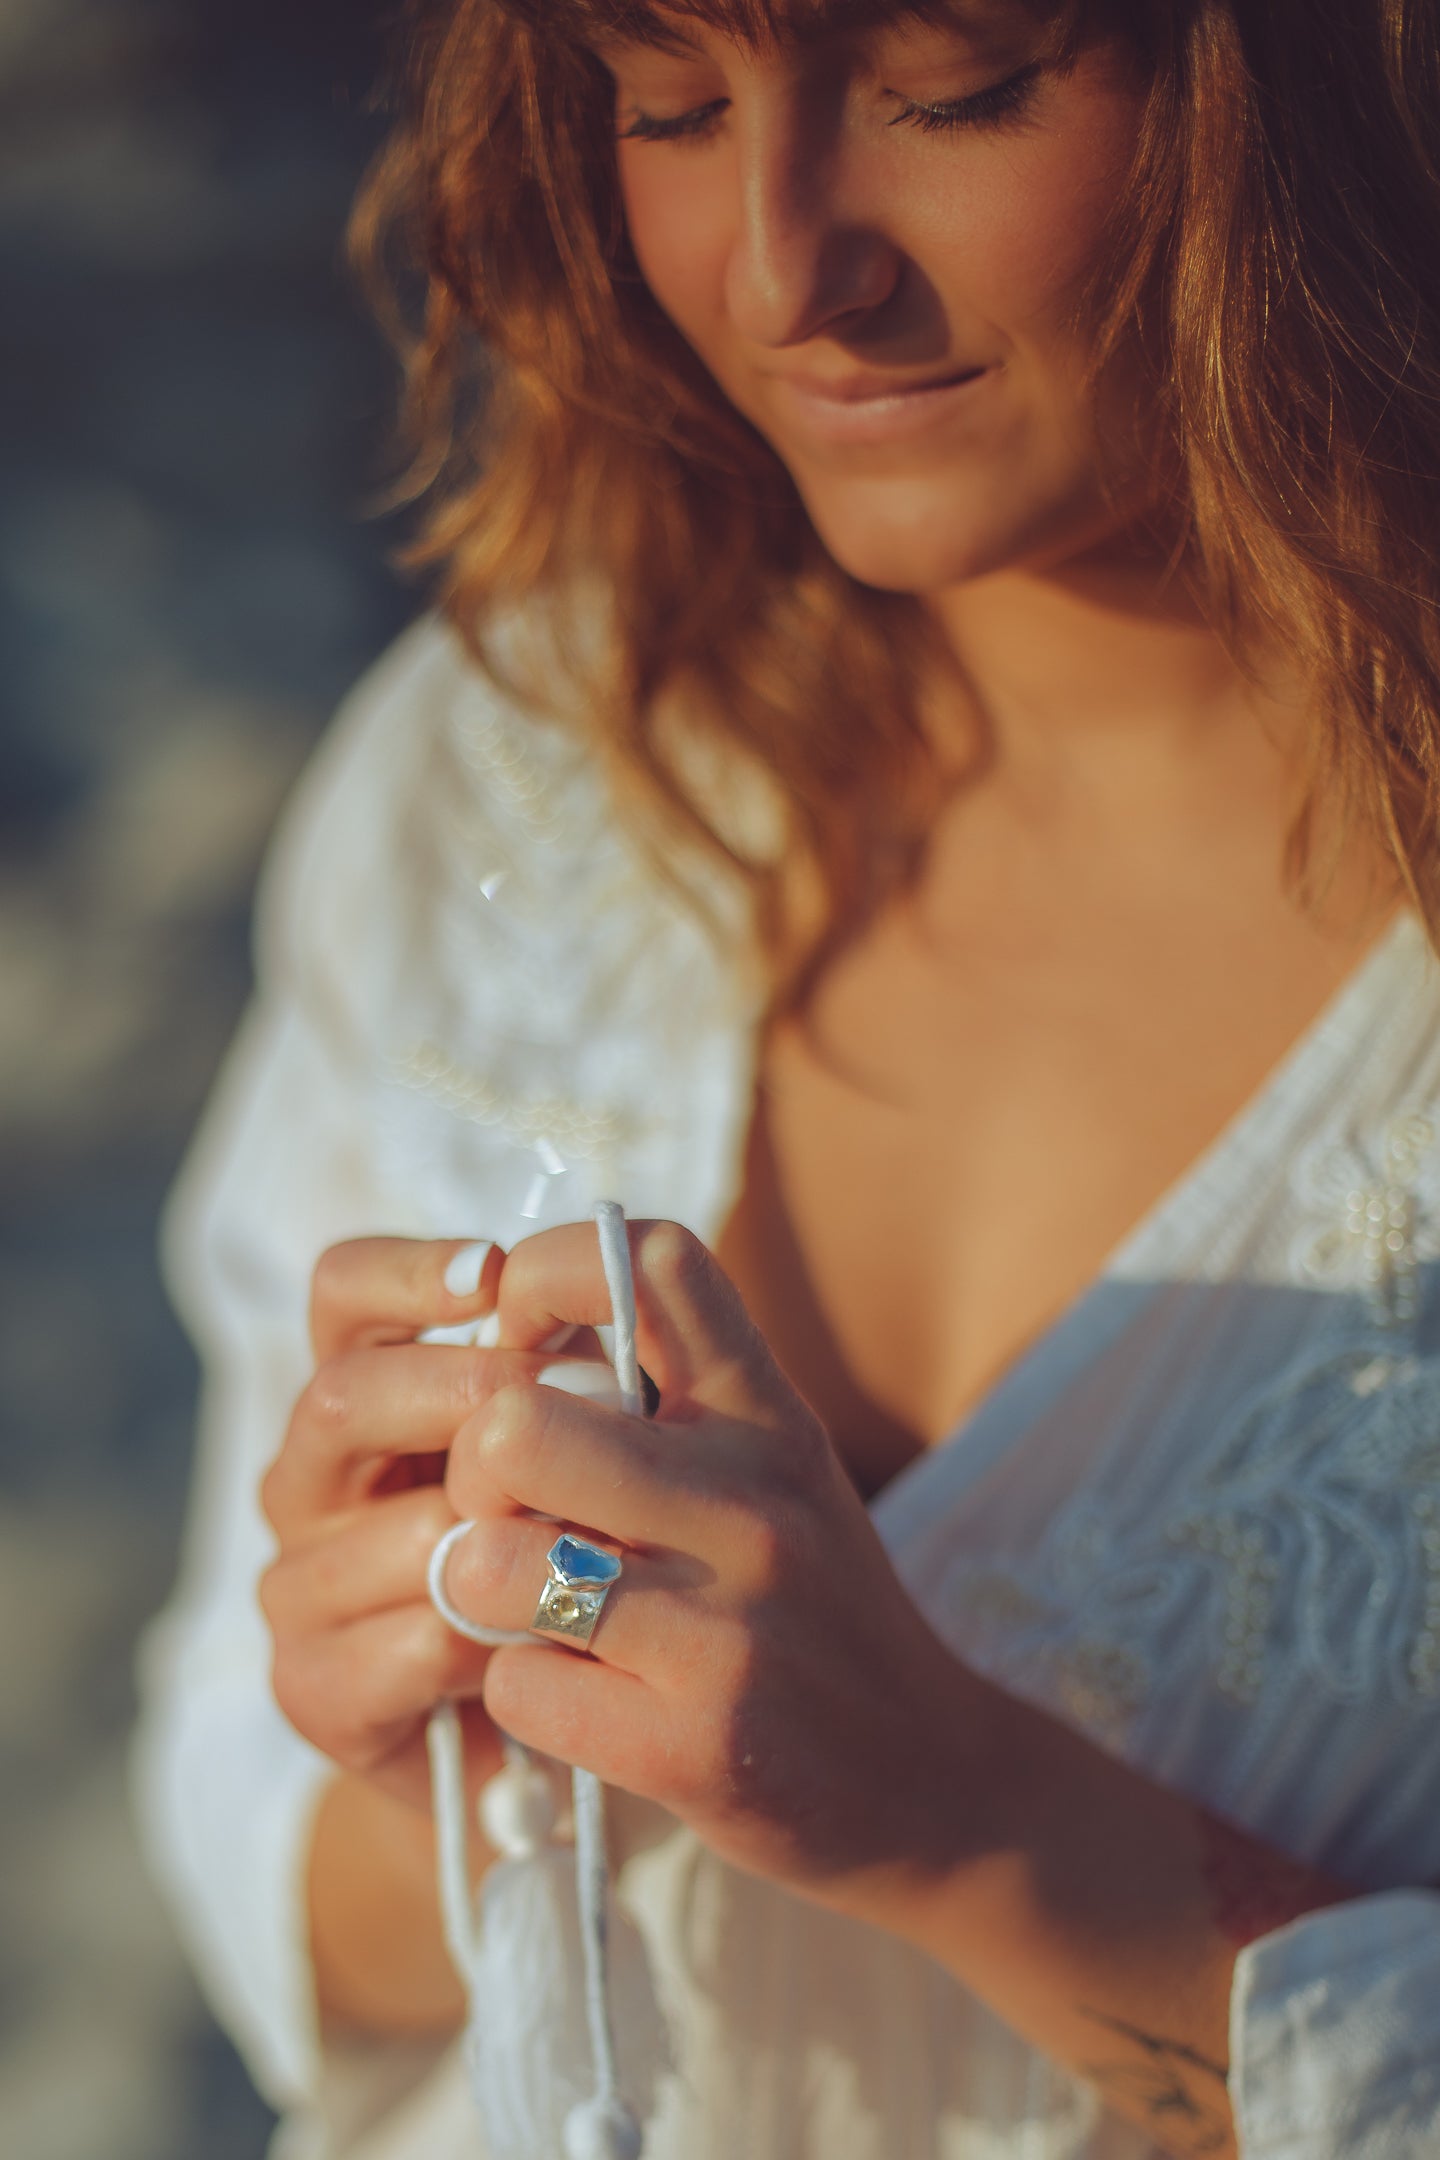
column 993, row 106
column 683, row 127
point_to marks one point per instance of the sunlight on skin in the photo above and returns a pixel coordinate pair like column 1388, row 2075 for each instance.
column 915, row 207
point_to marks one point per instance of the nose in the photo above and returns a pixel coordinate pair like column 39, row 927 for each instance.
column 803, row 261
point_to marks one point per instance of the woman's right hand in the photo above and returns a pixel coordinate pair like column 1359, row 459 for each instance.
column 357, row 1503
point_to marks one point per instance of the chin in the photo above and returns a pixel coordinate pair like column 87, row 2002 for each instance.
column 928, row 536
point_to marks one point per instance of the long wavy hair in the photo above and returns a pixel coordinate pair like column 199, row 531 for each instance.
column 1273, row 257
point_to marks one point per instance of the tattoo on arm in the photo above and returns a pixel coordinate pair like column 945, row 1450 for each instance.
column 1178, row 2094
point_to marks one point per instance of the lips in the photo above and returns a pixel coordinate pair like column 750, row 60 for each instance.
column 871, row 386
column 870, row 407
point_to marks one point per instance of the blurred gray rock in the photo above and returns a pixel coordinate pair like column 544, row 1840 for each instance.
column 193, row 416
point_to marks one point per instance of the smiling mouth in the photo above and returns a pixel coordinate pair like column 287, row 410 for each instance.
column 870, row 407
column 873, row 388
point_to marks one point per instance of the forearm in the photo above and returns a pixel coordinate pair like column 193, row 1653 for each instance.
column 378, row 1953
column 1101, row 1915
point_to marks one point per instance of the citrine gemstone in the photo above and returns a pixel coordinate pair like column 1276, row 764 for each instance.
column 564, row 1606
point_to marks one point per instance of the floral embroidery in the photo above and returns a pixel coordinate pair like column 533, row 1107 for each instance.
column 1379, row 1225
column 554, row 1126
column 1313, row 1524
column 1308, row 1544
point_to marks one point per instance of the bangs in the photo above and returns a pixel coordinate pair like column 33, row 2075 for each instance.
column 595, row 23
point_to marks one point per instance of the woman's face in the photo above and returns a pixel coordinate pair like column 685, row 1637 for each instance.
column 875, row 242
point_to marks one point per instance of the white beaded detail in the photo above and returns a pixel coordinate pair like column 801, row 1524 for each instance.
column 1249, row 1577
column 1381, row 1223
column 490, row 751
column 550, row 1123
column 1100, row 1685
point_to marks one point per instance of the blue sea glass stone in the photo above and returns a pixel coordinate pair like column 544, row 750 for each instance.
column 577, row 1563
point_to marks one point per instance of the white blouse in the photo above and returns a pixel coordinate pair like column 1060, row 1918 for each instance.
column 1199, row 1519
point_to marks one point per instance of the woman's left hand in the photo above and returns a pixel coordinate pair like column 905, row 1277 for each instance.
column 758, row 1670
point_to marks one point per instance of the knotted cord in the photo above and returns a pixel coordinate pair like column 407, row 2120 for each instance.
column 605, row 2127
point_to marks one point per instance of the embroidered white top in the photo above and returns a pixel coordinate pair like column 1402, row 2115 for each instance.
column 1200, row 1519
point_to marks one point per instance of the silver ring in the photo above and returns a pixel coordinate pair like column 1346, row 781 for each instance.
column 581, row 1577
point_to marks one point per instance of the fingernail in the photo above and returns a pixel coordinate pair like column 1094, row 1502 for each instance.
column 560, row 1340
column 586, row 1377
column 462, row 1275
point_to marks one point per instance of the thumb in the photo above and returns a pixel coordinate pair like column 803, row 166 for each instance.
column 695, row 1337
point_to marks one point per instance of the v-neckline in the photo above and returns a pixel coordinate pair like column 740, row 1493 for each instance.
column 1191, row 1206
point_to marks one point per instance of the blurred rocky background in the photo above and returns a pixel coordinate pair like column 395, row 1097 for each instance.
column 193, row 420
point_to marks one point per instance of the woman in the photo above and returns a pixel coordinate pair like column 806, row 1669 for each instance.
column 931, row 787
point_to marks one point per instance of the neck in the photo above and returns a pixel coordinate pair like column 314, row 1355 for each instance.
column 1106, row 658
column 1112, row 718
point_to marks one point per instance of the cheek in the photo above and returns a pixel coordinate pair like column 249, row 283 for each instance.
column 1014, row 241
column 681, row 225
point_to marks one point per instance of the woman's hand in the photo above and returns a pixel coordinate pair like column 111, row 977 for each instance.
column 758, row 1670
column 357, row 1503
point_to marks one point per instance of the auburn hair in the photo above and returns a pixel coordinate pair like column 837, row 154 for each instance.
column 1273, row 257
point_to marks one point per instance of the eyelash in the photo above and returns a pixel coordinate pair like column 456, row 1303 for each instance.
column 983, row 108
column 684, row 128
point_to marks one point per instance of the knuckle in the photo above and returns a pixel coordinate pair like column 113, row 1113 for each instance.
column 330, row 1276
column 327, row 1400
column 767, row 1549
column 423, row 1653
column 272, row 1490
column 301, row 1701
column 270, row 1595
column 431, row 1517
column 672, row 1257
column 486, row 1567
column 509, row 1430
column 760, row 1535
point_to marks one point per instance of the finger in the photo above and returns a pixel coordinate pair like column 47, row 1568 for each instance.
column 386, row 1290
column 371, row 1561
column 358, row 1692
column 695, row 1335
column 358, row 1413
column 652, row 1618
column 577, row 1711
column 534, row 1448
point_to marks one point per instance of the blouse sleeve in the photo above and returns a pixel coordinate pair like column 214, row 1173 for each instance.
column 282, row 1167
column 1335, row 2034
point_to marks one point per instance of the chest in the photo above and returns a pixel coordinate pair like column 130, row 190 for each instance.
column 945, row 1152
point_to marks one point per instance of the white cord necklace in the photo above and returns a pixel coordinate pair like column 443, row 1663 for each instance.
column 516, row 1955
